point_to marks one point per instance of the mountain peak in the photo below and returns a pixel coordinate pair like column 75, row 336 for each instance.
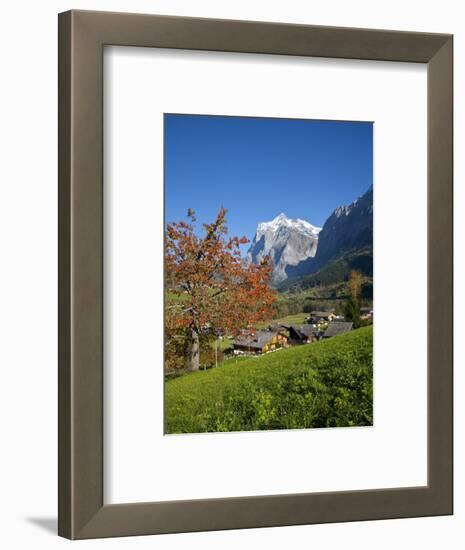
column 286, row 241
column 296, row 247
column 281, row 220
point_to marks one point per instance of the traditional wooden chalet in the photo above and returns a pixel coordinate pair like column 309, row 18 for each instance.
column 302, row 334
column 366, row 313
column 321, row 316
column 260, row 342
column 336, row 328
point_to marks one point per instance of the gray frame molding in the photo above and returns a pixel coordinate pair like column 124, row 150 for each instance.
column 82, row 35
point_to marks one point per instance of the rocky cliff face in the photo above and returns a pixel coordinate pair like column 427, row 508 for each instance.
column 348, row 228
column 287, row 242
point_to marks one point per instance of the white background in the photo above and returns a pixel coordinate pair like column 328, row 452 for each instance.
column 28, row 297
column 141, row 84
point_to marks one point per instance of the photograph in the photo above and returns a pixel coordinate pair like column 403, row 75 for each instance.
column 268, row 270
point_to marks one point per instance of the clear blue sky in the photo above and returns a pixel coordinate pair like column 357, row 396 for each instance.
column 260, row 167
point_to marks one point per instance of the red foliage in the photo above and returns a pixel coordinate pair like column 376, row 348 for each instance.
column 212, row 288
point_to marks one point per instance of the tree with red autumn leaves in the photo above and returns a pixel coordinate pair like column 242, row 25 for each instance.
column 210, row 289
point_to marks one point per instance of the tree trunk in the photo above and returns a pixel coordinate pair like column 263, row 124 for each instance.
column 193, row 360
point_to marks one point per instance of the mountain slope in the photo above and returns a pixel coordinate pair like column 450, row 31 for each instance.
column 349, row 228
column 287, row 242
column 335, row 271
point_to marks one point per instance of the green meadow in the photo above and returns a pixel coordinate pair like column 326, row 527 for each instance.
column 320, row 385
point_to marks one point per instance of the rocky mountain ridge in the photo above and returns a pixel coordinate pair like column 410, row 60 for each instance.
column 298, row 248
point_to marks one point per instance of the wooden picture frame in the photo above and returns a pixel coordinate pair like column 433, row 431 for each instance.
column 82, row 37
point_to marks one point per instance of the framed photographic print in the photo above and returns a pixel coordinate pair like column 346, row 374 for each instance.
column 255, row 256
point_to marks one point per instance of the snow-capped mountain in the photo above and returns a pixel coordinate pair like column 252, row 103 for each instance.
column 287, row 242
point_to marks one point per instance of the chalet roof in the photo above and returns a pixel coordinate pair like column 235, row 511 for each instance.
column 257, row 341
column 295, row 332
column 308, row 330
column 303, row 331
column 335, row 328
column 277, row 327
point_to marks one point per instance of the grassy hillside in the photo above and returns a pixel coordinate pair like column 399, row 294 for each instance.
column 293, row 319
column 334, row 272
column 324, row 384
